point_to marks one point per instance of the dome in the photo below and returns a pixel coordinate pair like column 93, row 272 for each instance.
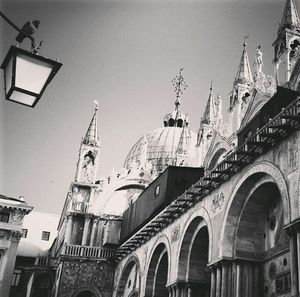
column 164, row 147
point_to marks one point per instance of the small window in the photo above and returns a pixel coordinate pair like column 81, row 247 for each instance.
column 45, row 235
column 24, row 233
column 4, row 217
column 16, row 277
column 156, row 191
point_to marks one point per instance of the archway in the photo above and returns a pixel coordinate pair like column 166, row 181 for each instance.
column 129, row 283
column 193, row 259
column 157, row 275
column 254, row 233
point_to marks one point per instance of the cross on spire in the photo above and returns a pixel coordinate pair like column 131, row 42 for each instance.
column 179, row 86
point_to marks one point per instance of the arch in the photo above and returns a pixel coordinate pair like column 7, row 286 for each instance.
column 194, row 255
column 215, row 152
column 158, row 271
column 256, row 175
column 132, row 263
column 86, row 291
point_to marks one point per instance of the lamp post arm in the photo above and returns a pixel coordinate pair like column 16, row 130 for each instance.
column 18, row 29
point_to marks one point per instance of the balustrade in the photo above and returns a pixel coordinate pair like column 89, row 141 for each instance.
column 88, row 252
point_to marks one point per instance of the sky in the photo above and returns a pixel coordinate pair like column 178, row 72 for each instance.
column 123, row 54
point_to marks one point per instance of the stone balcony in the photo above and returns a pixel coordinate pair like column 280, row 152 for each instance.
column 90, row 252
column 81, row 207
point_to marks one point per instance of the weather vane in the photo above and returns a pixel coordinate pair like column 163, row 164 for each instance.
column 96, row 104
column 179, row 86
column 245, row 38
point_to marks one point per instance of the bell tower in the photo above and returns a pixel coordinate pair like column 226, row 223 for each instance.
column 287, row 44
column 87, row 164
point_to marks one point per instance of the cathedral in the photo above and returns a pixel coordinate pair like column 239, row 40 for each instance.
column 212, row 213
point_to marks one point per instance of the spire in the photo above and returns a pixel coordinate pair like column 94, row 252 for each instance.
column 91, row 137
column 244, row 75
column 290, row 18
column 209, row 115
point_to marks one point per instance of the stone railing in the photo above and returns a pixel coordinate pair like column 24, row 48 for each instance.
column 87, row 252
column 80, row 207
column 45, row 261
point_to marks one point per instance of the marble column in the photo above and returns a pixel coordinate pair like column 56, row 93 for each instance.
column 93, row 233
column 213, row 282
column 85, row 230
column 68, row 233
column 239, row 280
column 224, row 283
column 218, row 281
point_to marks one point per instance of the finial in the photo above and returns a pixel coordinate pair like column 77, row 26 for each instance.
column 244, row 43
column 179, row 86
column 96, row 104
column 211, row 85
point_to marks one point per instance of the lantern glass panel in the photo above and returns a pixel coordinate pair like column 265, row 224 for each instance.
column 8, row 75
column 22, row 98
column 31, row 74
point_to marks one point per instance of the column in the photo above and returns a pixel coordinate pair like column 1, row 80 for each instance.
column 298, row 256
column 238, row 280
column 293, row 260
column 68, row 232
column 93, row 233
column 218, row 282
column 288, row 65
column 213, row 282
column 85, row 230
column 224, row 280
column 229, row 280
column 189, row 290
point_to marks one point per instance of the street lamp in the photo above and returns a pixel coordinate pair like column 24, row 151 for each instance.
column 26, row 74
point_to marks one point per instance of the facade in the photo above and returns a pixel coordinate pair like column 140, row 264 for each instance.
column 34, row 270
column 214, row 213
column 12, row 213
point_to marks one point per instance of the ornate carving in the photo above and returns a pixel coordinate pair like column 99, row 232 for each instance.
column 217, row 202
column 293, row 154
column 16, row 218
column 79, row 274
column 16, row 235
column 175, row 234
column 4, row 234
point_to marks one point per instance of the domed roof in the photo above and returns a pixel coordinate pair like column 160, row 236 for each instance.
column 164, row 147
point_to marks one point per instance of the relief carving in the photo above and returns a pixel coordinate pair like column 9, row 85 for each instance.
column 292, row 154
column 91, row 274
column 16, row 218
column 217, row 202
column 4, row 234
column 175, row 234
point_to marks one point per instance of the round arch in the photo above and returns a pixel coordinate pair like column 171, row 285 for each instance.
column 212, row 158
column 86, row 291
column 256, row 175
column 201, row 213
column 157, row 275
column 132, row 266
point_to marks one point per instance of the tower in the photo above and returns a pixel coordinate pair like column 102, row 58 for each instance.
column 286, row 45
column 242, row 87
column 88, row 154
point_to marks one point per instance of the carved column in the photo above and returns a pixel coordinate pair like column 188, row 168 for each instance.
column 85, row 230
column 93, row 233
column 68, row 229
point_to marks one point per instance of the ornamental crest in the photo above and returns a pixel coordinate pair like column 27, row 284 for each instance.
column 217, row 202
